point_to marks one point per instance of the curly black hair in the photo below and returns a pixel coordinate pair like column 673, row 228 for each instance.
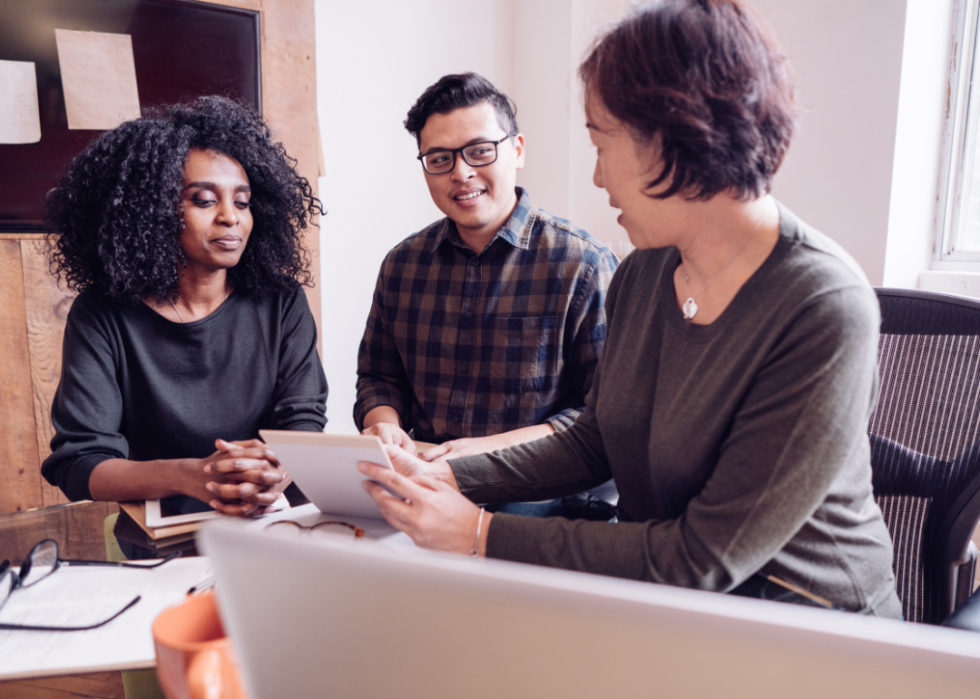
column 115, row 218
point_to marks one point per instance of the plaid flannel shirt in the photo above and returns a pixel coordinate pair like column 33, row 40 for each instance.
column 466, row 345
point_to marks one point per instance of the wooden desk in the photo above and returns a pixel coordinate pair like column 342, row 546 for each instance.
column 78, row 529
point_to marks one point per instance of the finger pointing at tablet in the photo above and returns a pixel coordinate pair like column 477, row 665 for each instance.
column 409, row 465
column 433, row 512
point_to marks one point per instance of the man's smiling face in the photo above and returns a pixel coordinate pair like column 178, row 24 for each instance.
column 478, row 199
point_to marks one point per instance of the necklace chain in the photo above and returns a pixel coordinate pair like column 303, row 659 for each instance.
column 227, row 294
column 690, row 308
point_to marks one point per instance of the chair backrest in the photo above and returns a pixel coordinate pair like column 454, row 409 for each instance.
column 925, row 445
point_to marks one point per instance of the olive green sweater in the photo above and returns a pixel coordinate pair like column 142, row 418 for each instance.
column 737, row 447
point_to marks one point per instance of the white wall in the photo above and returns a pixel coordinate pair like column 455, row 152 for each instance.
column 838, row 173
column 542, row 97
column 561, row 158
column 589, row 205
column 373, row 61
column 922, row 111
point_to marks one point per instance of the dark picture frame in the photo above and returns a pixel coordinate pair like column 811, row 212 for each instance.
column 181, row 49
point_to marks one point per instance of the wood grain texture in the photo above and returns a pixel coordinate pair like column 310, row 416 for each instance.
column 33, row 309
column 288, row 45
column 98, row 685
column 77, row 527
column 20, row 477
column 242, row 4
column 289, row 102
column 47, row 307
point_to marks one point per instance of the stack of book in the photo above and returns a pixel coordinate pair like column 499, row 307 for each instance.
column 161, row 539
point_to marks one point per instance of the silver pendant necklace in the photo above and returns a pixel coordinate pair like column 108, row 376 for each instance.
column 690, row 307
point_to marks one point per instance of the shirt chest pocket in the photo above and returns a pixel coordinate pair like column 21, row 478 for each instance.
column 525, row 354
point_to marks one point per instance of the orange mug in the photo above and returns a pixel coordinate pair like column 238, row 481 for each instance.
column 194, row 656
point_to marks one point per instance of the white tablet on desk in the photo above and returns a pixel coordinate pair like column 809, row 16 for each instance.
column 324, row 467
column 176, row 510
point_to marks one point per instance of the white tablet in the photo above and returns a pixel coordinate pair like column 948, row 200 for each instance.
column 182, row 509
column 324, row 467
column 175, row 510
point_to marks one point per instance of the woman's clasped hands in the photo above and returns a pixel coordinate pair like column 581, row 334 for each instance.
column 429, row 506
column 242, row 478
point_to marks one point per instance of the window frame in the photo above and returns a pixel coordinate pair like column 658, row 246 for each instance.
column 960, row 145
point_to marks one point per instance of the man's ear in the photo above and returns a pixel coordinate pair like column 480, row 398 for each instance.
column 519, row 150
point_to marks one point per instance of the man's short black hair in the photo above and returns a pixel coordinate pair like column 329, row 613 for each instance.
column 452, row 92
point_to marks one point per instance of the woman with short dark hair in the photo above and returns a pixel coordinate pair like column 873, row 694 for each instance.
column 182, row 232
column 739, row 371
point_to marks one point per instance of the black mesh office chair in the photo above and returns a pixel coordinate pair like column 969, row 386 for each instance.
column 925, row 446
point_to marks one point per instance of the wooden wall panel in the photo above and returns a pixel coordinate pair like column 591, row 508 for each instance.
column 77, row 527
column 99, row 685
column 289, row 100
column 244, row 4
column 47, row 308
column 288, row 36
column 33, row 309
column 20, row 476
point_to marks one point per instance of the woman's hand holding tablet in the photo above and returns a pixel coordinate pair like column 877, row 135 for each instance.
column 423, row 500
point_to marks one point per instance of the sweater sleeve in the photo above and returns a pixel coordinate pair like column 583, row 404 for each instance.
column 87, row 409
column 300, row 400
column 802, row 420
column 565, row 463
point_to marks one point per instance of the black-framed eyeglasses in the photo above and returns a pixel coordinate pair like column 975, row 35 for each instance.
column 41, row 563
column 480, row 154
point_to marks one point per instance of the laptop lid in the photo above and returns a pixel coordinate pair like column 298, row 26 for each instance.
column 315, row 618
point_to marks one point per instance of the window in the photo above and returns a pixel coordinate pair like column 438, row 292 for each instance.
column 960, row 212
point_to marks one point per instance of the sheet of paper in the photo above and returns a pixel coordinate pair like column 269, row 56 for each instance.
column 20, row 121
column 80, row 595
column 98, row 76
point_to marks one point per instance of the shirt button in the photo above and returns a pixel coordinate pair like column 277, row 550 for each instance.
column 475, row 263
column 464, row 371
column 455, row 420
column 468, row 314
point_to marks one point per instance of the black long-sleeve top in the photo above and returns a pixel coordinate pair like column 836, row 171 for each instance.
column 135, row 385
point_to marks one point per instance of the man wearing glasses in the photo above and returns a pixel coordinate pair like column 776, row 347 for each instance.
column 486, row 326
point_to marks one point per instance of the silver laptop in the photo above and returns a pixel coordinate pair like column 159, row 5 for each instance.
column 318, row 619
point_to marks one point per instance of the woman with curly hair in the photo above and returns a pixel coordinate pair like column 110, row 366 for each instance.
column 732, row 398
column 181, row 231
